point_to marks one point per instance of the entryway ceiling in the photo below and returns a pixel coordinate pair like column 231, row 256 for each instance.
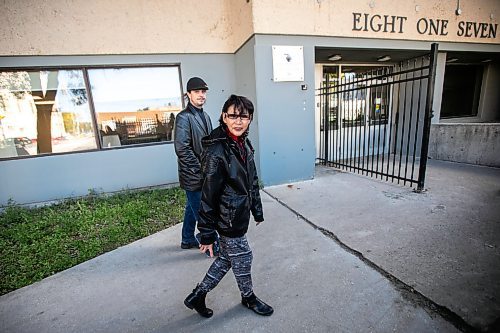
column 370, row 56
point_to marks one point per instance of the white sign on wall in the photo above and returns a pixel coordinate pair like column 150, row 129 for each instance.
column 288, row 63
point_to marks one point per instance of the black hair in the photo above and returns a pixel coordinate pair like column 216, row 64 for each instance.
column 242, row 105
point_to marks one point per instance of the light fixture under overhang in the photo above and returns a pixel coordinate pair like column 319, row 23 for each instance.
column 384, row 58
column 486, row 60
column 335, row 57
column 451, row 60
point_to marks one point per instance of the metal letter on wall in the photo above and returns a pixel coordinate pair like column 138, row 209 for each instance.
column 288, row 63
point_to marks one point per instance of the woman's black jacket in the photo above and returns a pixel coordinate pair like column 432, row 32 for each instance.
column 230, row 188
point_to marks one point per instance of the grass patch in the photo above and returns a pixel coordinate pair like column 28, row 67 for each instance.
column 38, row 242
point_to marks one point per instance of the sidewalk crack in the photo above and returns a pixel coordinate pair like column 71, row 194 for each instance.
column 406, row 290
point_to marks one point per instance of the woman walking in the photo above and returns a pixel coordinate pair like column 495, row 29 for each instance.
column 230, row 193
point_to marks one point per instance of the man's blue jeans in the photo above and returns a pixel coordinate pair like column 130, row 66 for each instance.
column 191, row 216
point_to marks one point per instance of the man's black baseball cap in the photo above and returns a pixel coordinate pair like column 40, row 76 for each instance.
column 195, row 83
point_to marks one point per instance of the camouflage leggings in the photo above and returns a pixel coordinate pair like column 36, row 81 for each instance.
column 235, row 253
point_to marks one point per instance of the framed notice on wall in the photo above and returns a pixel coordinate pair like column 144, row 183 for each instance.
column 288, row 63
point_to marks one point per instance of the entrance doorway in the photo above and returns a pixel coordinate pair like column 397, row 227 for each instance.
column 375, row 120
column 357, row 112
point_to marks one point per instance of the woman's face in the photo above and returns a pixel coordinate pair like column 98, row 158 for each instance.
column 236, row 122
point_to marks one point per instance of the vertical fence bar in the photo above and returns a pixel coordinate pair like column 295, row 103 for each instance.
column 379, row 116
column 333, row 125
column 365, row 119
column 403, row 125
column 368, row 127
column 373, row 129
column 337, row 125
column 396, row 125
column 427, row 118
column 408, row 139
column 326, row 116
column 394, row 100
column 322, row 143
column 386, row 116
column 358, row 128
column 323, row 122
column 351, row 129
column 418, row 117
column 341, row 122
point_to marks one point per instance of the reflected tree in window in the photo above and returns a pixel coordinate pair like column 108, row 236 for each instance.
column 44, row 112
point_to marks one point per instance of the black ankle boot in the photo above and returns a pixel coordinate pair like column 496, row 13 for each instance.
column 196, row 300
column 256, row 305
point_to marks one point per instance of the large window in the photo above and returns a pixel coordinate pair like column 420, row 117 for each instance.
column 53, row 111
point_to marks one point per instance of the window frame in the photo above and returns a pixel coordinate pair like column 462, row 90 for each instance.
column 93, row 114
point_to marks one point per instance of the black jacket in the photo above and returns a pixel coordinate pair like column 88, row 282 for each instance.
column 189, row 130
column 230, row 188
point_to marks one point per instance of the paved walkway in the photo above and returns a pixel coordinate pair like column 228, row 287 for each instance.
column 340, row 253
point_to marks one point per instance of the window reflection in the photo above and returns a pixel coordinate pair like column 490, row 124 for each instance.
column 49, row 111
column 135, row 105
column 44, row 112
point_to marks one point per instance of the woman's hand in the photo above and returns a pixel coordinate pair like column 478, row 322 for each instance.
column 204, row 248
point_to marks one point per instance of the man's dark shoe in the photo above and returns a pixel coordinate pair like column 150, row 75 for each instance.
column 256, row 305
column 186, row 246
column 196, row 300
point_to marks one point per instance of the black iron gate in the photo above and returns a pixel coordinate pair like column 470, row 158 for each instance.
column 377, row 123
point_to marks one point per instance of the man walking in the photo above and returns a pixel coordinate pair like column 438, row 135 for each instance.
column 191, row 125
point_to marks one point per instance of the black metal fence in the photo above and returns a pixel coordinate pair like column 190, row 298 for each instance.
column 144, row 130
column 377, row 123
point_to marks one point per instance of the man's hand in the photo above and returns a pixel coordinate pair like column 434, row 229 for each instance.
column 204, row 248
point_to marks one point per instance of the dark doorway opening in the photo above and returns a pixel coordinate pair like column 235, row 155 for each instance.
column 461, row 90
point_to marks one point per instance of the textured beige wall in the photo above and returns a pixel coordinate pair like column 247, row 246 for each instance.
column 335, row 18
column 36, row 27
column 65, row 27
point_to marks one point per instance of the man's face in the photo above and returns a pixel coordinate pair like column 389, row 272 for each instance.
column 197, row 97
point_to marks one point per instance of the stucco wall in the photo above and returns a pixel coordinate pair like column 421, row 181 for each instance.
column 335, row 18
column 466, row 143
column 72, row 27
column 42, row 27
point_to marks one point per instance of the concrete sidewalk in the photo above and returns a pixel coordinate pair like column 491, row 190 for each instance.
column 449, row 254
column 444, row 243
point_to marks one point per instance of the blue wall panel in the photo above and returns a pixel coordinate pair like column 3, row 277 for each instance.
column 286, row 117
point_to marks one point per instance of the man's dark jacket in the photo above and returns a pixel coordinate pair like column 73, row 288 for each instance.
column 230, row 189
column 189, row 130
